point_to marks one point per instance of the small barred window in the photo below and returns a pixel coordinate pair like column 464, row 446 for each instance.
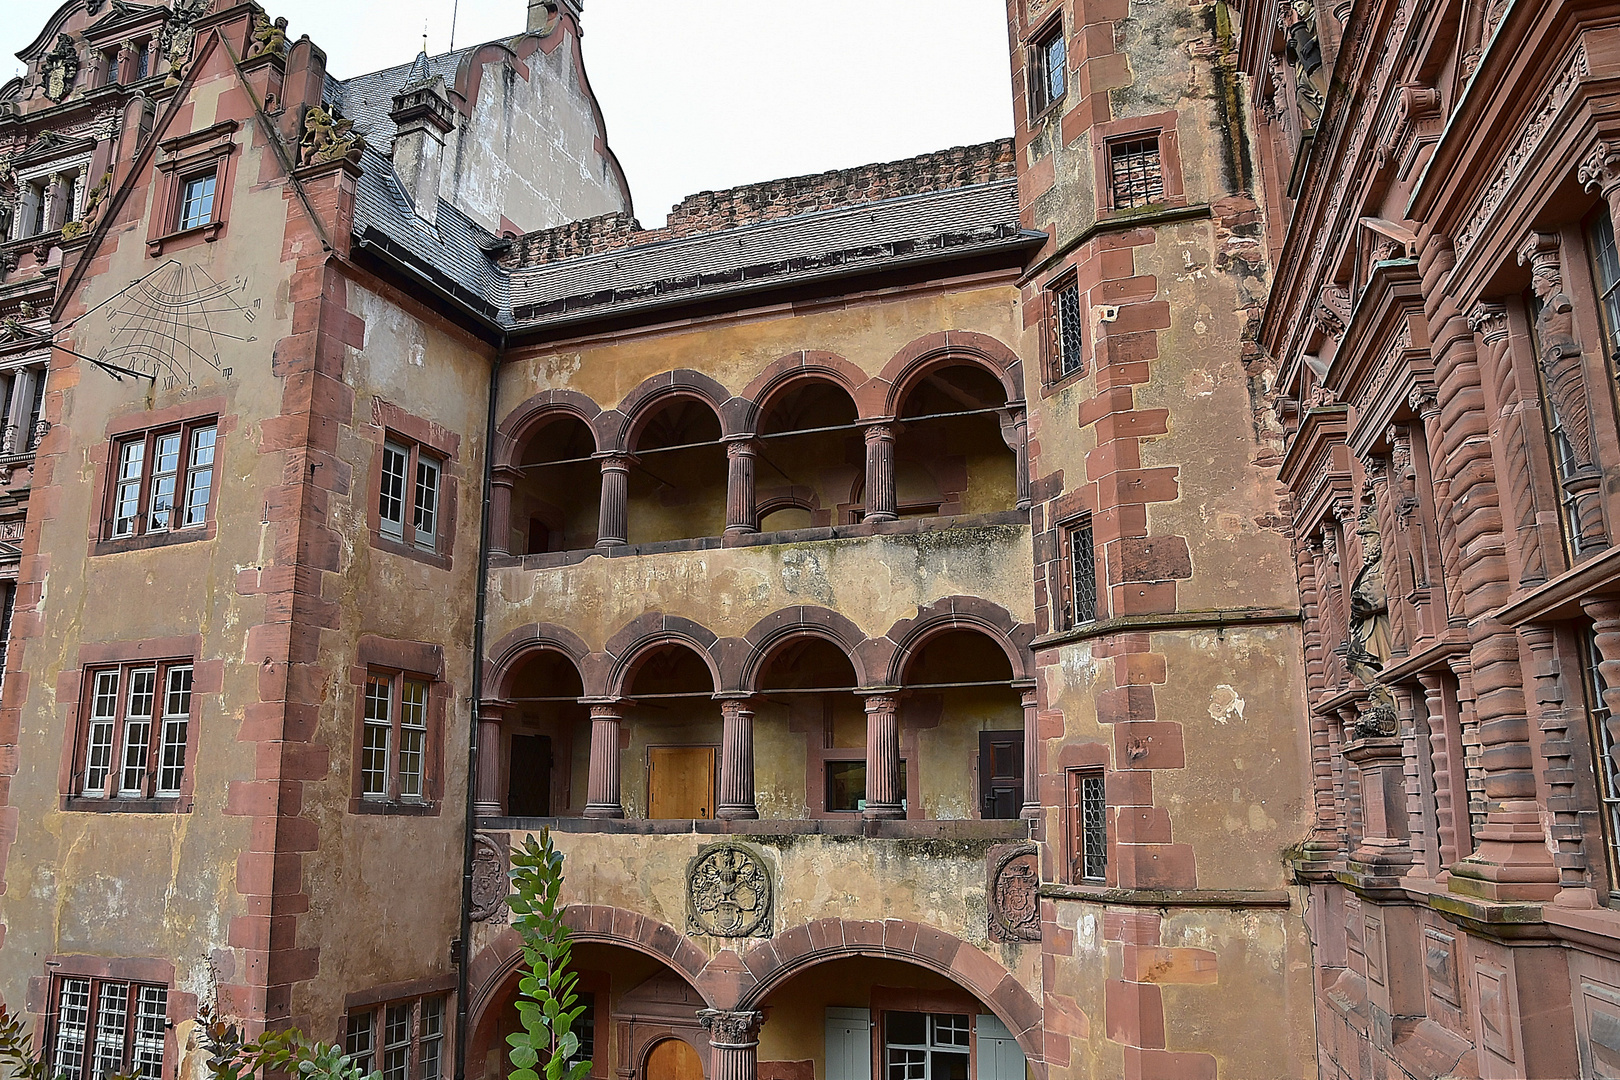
column 1069, row 323
column 1138, row 174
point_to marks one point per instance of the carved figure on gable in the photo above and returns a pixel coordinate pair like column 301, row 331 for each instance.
column 1305, row 56
column 60, row 69
column 328, row 137
column 1563, row 372
column 268, row 37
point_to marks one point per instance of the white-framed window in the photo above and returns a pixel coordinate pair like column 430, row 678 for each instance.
column 404, row 1040
column 408, row 502
column 394, row 758
column 197, row 201
column 927, row 1046
column 163, row 480
column 136, row 732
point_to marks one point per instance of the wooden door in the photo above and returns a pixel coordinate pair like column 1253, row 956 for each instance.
column 680, row 782
column 1001, row 774
column 673, row 1059
column 528, row 781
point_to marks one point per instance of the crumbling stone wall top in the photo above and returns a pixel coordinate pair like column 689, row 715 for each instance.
column 714, row 211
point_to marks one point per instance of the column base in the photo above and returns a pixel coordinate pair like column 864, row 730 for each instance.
column 612, row 812
column 600, row 544
column 741, row 530
column 883, row 812
column 880, row 516
column 737, row 813
column 484, row 809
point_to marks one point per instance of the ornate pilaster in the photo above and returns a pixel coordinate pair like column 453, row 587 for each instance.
column 880, row 494
column 884, row 792
column 1563, row 373
column 740, row 512
column 612, row 529
column 1509, row 410
column 1445, row 766
column 1512, row 863
column 736, row 761
column 1558, row 755
column 602, row 799
column 1423, row 402
column 734, row 1040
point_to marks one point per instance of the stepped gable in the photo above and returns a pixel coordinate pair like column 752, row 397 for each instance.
column 715, row 211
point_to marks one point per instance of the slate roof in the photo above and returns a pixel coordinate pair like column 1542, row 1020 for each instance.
column 367, row 99
column 893, row 232
column 453, row 252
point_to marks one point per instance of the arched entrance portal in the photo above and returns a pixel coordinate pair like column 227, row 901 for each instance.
column 673, row 1059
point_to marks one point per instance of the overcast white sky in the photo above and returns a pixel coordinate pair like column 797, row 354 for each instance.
column 709, row 93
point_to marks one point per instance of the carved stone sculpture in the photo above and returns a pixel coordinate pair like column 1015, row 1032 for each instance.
column 489, row 882
column 731, row 1029
column 60, row 69
column 728, row 891
column 268, row 38
column 1013, row 896
column 1563, row 373
column 329, row 137
column 1368, row 647
column 179, row 35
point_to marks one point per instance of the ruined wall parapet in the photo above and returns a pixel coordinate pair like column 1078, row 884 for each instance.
column 751, row 204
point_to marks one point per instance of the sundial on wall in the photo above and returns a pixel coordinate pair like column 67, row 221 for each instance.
column 174, row 322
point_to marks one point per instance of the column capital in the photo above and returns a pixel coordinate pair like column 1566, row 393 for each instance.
column 880, row 430
column 735, row 704
column 606, row 710
column 880, row 699
column 1600, row 167
column 617, row 459
column 1488, row 319
column 741, row 445
column 495, row 709
column 735, row 1030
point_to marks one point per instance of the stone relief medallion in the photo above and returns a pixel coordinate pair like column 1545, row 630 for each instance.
column 728, row 892
column 489, row 880
column 1013, row 893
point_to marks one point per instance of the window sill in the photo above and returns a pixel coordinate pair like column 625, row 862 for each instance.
column 1064, row 382
column 209, row 233
column 154, row 540
column 381, row 808
column 410, row 551
column 180, row 804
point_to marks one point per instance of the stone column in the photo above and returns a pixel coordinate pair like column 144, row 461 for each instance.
column 1414, row 747
column 1446, row 766
column 57, row 196
column 884, row 792
column 488, row 801
column 734, row 1039
column 1558, row 754
column 737, row 761
column 502, row 481
column 612, row 529
column 602, row 799
column 1508, row 411
column 880, row 495
column 1031, row 810
column 1512, row 863
column 1015, row 433
column 741, row 518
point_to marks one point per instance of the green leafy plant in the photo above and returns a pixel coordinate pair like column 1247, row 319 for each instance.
column 17, row 1056
column 547, row 1002
column 285, row 1051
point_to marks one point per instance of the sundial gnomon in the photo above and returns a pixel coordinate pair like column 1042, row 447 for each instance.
column 174, row 319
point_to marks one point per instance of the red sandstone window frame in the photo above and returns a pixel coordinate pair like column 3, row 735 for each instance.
column 185, row 158
column 1105, row 136
column 148, row 427
column 1080, row 762
column 1038, row 93
column 398, row 662
column 98, row 971
column 369, row 1014
column 1071, row 612
column 1052, row 293
column 419, row 437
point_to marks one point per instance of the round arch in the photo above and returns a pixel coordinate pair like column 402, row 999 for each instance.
column 650, row 632
column 793, row 371
column 934, row 351
column 972, row 613
column 775, row 962
column 642, row 403
column 508, row 656
column 541, row 409
column 780, row 628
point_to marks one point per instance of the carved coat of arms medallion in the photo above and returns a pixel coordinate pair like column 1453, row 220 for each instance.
column 1013, row 893
column 728, row 892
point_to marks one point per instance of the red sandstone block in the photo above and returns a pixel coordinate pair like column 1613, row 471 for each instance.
column 1113, row 456
column 974, row 969
column 1037, row 180
column 1139, row 669
column 899, row 935
column 1093, row 39
column 1181, row 967
column 1113, row 373
column 1091, row 111
column 1157, row 866
column 1133, row 1014
column 1145, row 1064
column 1153, row 745
column 1147, row 599
column 1112, row 399
column 1139, row 486
column 1132, row 927
column 1127, row 348
column 1142, row 825
column 1057, row 1048
column 794, row 943
column 1126, row 238
column 294, row 965
column 1112, row 523
column 1126, row 290
column 1103, row 73
column 761, row 960
column 251, row 798
column 1125, row 704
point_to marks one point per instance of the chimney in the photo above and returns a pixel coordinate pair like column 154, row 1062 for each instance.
column 543, row 12
column 423, row 115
